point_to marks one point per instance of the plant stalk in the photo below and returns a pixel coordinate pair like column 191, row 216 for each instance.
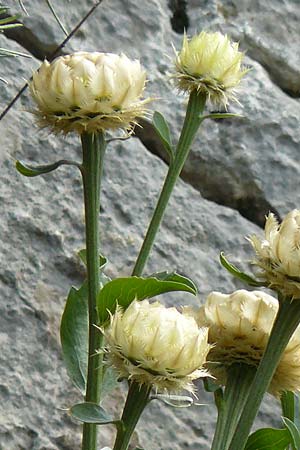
column 290, row 410
column 137, row 399
column 288, row 405
column 191, row 125
column 239, row 379
column 93, row 149
column 287, row 320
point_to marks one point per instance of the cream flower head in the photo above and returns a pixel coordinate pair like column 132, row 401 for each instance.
column 152, row 344
column 211, row 64
column 239, row 328
column 278, row 254
column 89, row 92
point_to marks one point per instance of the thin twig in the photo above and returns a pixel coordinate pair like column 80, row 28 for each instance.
column 57, row 18
column 52, row 56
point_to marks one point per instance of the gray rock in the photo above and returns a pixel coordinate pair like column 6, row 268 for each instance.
column 258, row 156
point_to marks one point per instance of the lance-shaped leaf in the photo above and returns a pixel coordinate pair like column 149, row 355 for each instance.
column 294, row 432
column 173, row 276
column 123, row 291
column 290, row 405
column 74, row 336
column 177, row 401
column 102, row 259
column 103, row 279
column 109, row 382
column 89, row 412
column 210, row 385
column 10, row 25
column 237, row 273
column 34, row 171
column 4, row 53
column 221, row 116
column 269, row 439
column 296, row 418
column 163, row 131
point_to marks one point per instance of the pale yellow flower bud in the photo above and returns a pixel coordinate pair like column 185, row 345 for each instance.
column 89, row 92
column 239, row 328
column 151, row 344
column 211, row 64
column 278, row 255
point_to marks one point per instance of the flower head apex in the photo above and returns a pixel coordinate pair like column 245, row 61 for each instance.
column 89, row 92
column 278, row 254
column 159, row 346
column 211, row 64
column 239, row 329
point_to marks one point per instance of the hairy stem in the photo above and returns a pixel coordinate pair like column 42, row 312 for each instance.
column 287, row 320
column 239, row 379
column 191, row 125
column 93, row 148
column 136, row 401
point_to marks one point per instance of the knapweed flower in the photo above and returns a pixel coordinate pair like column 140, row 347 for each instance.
column 278, row 254
column 211, row 64
column 89, row 92
column 239, row 328
column 159, row 346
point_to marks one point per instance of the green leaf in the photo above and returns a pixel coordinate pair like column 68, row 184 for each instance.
column 287, row 400
column 173, row 276
column 296, row 419
column 34, row 171
column 82, row 256
column 177, row 401
column 123, row 291
column 294, row 432
column 9, row 19
column 109, row 382
column 89, row 412
column 4, row 53
column 103, row 279
column 10, row 25
column 210, row 385
column 74, row 336
column 221, row 116
column 290, row 404
column 269, row 439
column 237, row 273
column 162, row 128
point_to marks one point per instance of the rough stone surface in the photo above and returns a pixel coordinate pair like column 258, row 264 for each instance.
column 245, row 165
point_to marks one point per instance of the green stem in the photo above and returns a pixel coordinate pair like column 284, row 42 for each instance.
column 287, row 320
column 93, row 149
column 137, row 399
column 239, row 379
column 287, row 401
column 288, row 406
column 191, row 125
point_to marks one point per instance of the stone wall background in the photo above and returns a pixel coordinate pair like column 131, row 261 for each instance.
column 238, row 171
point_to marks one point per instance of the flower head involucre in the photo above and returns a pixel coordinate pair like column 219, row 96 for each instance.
column 89, row 92
column 210, row 63
column 239, row 328
column 278, row 255
column 151, row 344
